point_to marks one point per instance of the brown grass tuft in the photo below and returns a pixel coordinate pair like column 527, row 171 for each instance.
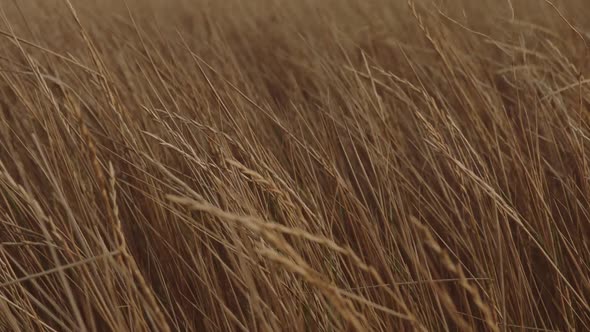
column 174, row 165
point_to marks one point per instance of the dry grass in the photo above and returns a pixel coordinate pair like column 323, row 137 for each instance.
column 174, row 165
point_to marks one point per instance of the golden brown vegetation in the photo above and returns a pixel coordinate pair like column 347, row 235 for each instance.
column 175, row 165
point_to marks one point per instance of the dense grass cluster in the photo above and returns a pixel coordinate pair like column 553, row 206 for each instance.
column 329, row 165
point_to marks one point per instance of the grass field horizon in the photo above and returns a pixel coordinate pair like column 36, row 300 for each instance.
column 269, row 165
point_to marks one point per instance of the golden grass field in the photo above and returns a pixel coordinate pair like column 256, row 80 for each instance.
column 310, row 165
